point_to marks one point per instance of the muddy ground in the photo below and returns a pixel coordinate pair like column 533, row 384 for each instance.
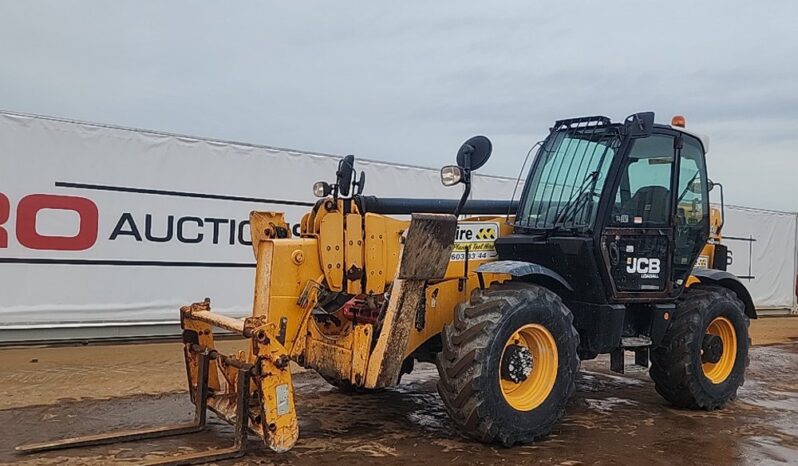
column 611, row 420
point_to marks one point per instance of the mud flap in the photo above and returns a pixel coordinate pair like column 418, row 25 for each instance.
column 425, row 254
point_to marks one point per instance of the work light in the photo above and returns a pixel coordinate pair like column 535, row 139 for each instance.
column 451, row 175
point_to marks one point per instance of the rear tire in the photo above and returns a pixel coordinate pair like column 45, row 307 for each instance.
column 486, row 395
column 680, row 376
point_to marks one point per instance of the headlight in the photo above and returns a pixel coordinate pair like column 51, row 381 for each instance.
column 451, row 175
column 321, row 189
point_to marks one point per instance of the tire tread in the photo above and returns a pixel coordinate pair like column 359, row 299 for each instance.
column 675, row 376
column 463, row 359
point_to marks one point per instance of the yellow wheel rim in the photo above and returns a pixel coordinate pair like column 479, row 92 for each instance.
column 719, row 371
column 528, row 394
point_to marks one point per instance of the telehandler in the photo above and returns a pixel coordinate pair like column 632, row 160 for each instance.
column 597, row 256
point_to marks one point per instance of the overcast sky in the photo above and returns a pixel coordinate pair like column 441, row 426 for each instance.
column 410, row 81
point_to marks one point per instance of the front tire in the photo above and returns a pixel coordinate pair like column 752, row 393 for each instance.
column 703, row 356
column 509, row 363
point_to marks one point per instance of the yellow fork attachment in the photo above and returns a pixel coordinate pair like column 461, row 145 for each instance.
column 253, row 393
column 200, row 397
column 269, row 392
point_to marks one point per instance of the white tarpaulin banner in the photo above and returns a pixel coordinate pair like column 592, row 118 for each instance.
column 103, row 224
column 762, row 244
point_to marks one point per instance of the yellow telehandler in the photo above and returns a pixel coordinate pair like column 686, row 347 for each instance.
column 597, row 256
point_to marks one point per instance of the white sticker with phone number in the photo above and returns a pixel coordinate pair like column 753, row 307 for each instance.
column 478, row 238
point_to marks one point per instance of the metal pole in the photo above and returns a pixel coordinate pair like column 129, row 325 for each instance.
column 795, row 269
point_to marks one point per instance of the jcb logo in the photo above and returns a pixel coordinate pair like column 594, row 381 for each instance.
column 486, row 233
column 642, row 265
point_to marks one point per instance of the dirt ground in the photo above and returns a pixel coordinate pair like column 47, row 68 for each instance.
column 56, row 392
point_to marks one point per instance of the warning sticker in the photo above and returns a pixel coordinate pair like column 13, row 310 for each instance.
column 477, row 238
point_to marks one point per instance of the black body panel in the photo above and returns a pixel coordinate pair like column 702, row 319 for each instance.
column 638, row 264
column 629, row 248
column 599, row 325
column 720, row 261
column 573, row 258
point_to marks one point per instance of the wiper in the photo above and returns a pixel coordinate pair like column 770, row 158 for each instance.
column 575, row 204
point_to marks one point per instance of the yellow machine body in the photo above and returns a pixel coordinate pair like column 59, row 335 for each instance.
column 707, row 257
column 342, row 251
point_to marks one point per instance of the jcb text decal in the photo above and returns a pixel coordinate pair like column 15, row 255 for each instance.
column 646, row 267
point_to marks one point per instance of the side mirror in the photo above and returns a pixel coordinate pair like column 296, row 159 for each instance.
column 695, row 186
column 474, row 153
column 344, row 181
column 639, row 125
column 346, row 168
column 451, row 175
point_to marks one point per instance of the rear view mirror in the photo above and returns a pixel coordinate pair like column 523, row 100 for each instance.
column 639, row 125
column 346, row 168
column 695, row 186
column 474, row 153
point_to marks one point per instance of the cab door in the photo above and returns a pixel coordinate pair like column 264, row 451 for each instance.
column 637, row 237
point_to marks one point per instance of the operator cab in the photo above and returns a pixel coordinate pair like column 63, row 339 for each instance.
column 612, row 217
column 617, row 207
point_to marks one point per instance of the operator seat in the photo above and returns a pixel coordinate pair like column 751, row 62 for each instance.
column 650, row 202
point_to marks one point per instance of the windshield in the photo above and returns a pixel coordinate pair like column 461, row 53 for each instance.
column 565, row 182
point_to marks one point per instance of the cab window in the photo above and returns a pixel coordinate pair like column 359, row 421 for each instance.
column 692, row 208
column 643, row 196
